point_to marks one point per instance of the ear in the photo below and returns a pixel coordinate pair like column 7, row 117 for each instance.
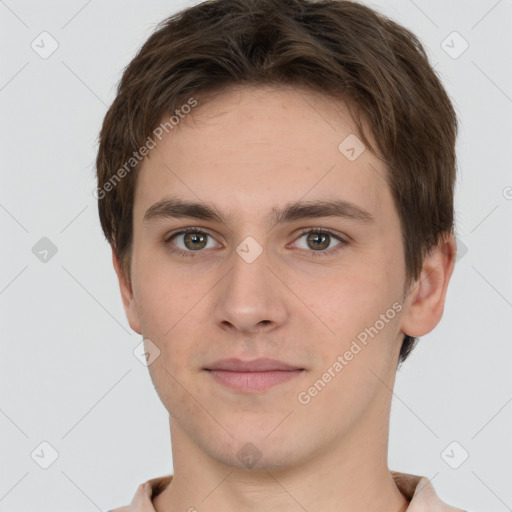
column 425, row 302
column 125, row 286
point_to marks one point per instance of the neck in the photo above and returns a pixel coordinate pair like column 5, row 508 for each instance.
column 351, row 474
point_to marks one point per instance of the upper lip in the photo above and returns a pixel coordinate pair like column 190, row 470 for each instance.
column 256, row 365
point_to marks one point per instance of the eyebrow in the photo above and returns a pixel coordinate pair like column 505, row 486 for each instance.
column 301, row 210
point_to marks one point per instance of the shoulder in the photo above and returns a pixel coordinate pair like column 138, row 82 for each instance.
column 421, row 493
column 142, row 500
column 142, row 494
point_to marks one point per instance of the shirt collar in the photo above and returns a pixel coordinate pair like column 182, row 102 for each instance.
column 417, row 489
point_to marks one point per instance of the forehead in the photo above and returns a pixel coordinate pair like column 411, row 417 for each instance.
column 253, row 148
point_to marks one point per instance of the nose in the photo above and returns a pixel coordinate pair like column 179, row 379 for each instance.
column 250, row 299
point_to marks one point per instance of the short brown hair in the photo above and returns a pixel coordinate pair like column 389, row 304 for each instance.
column 342, row 49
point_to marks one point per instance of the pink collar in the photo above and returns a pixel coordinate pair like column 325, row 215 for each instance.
column 417, row 489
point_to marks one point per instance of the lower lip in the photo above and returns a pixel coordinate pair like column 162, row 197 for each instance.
column 253, row 381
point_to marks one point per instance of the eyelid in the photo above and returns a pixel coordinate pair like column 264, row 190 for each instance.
column 331, row 232
column 189, row 229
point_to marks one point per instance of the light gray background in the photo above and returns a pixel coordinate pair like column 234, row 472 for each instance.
column 68, row 374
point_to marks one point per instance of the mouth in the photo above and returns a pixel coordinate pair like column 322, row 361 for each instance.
column 252, row 376
column 253, row 381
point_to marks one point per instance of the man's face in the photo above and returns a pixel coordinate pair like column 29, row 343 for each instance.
column 249, row 287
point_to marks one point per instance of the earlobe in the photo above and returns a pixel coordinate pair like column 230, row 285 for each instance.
column 425, row 301
column 125, row 287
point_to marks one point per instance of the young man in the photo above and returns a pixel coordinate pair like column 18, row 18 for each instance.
column 275, row 178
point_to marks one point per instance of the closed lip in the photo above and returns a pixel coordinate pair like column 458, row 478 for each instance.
column 256, row 365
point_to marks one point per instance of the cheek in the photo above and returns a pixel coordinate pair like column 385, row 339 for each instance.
column 356, row 313
column 163, row 294
column 171, row 305
column 345, row 299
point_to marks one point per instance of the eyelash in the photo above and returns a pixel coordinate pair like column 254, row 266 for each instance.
column 314, row 254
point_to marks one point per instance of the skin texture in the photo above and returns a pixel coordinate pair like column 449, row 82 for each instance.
column 247, row 151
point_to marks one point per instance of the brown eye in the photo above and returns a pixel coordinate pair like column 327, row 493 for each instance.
column 190, row 240
column 318, row 242
column 194, row 241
